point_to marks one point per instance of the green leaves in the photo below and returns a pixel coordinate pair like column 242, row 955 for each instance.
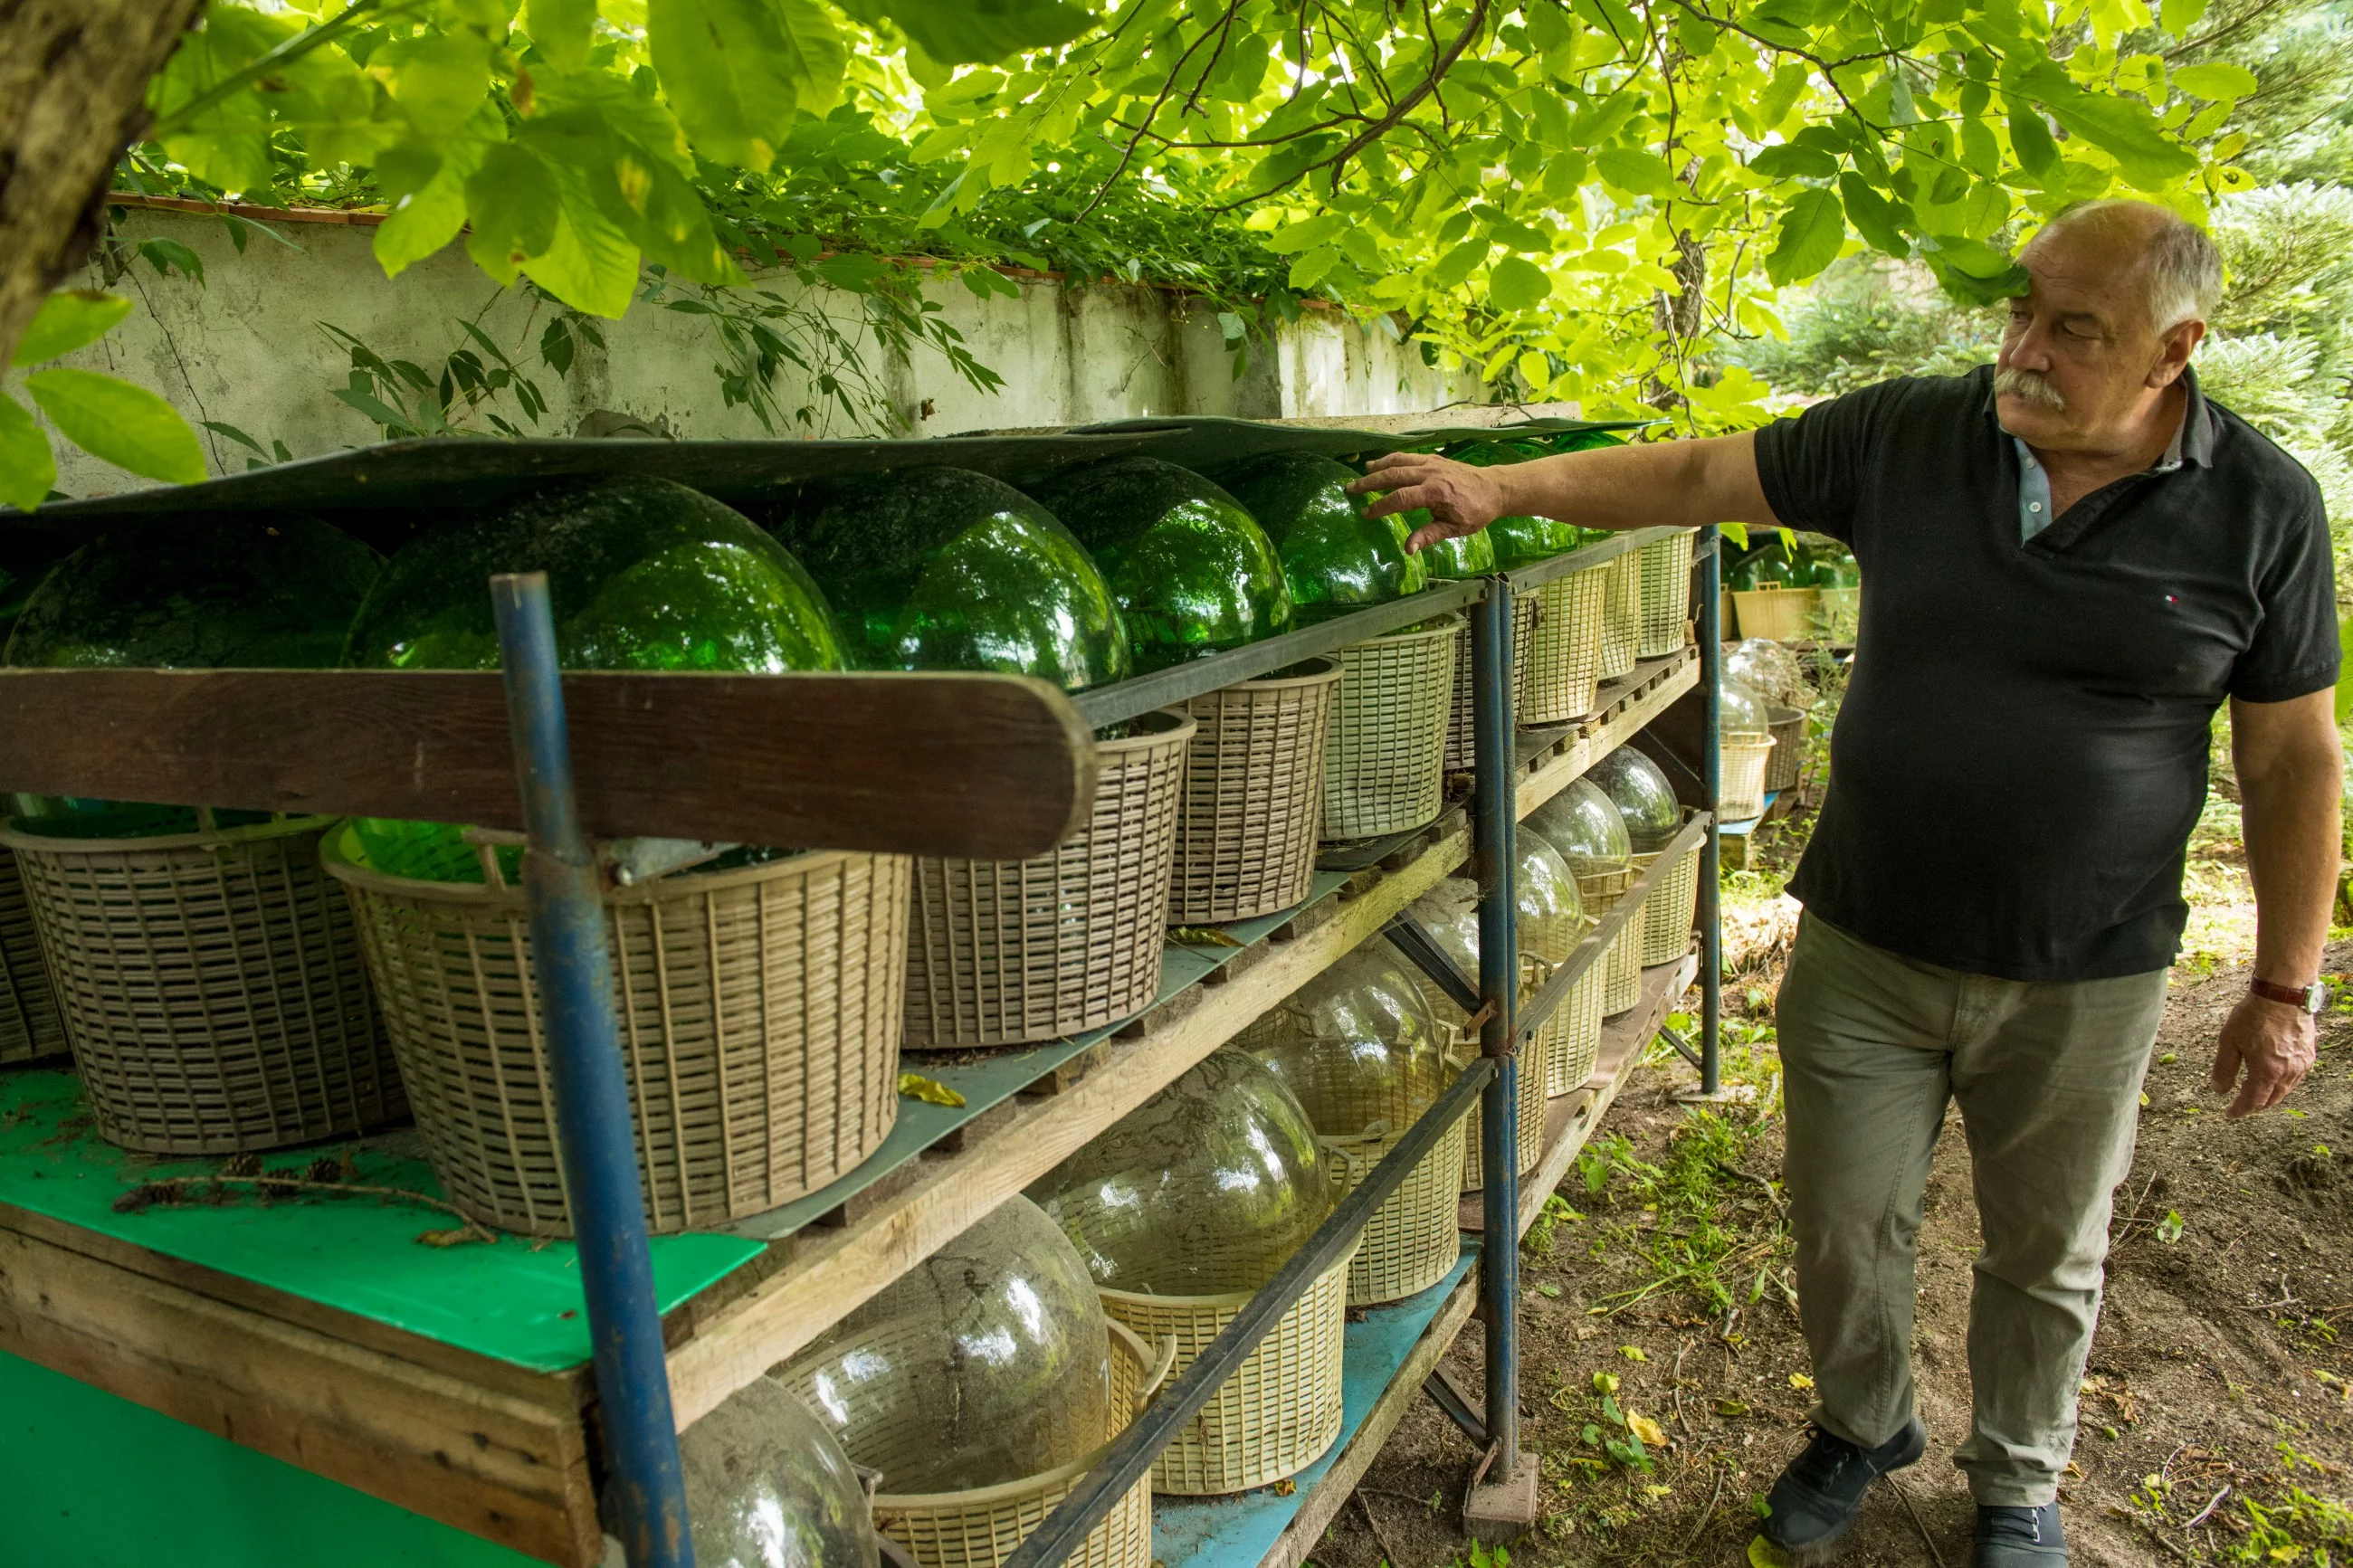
column 128, row 426
column 69, row 319
column 562, row 29
column 2215, row 82
column 28, row 471
column 2126, row 130
column 1785, row 161
column 2030, row 142
column 959, row 32
column 1516, row 283
column 511, row 207
column 1812, row 233
column 735, row 70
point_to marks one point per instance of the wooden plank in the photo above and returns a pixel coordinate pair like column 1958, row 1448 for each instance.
column 987, row 766
column 834, row 1272
column 1651, row 691
column 1305, row 1531
column 500, row 1466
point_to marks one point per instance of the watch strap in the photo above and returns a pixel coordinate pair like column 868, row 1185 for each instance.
column 2307, row 997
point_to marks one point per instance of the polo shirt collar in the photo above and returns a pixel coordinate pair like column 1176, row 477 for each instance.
column 2194, row 442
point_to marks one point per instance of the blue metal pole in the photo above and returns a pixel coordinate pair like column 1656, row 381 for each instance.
column 591, row 1103
column 1499, row 967
column 1710, row 550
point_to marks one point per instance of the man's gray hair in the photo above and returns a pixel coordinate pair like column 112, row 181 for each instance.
column 2181, row 269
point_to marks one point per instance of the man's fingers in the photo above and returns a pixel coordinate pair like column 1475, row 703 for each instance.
column 1388, row 474
column 2226, row 1067
column 1428, row 535
column 1406, row 499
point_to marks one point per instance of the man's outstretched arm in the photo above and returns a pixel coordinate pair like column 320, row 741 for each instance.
column 1682, row 484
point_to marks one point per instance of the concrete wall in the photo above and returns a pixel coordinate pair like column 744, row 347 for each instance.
column 245, row 348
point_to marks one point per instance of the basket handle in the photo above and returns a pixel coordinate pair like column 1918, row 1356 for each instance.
column 1163, row 1364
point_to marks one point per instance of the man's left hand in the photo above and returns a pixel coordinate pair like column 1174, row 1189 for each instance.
column 2273, row 1043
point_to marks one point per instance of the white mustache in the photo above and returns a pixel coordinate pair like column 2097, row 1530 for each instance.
column 2031, row 385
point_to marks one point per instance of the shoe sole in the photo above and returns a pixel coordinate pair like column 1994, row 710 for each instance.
column 1823, row 1548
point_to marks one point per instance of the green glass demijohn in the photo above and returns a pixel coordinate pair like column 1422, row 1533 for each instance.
column 1467, row 555
column 1520, row 541
column 642, row 573
column 948, row 569
column 1334, row 558
column 1193, row 571
column 255, row 591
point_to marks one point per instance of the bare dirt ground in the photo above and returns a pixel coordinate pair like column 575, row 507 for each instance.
column 2217, row 1420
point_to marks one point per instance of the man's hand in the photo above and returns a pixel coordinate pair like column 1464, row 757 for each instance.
column 1460, row 498
column 2273, row 1043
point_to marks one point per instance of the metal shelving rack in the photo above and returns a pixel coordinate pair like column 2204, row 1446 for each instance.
column 665, row 1353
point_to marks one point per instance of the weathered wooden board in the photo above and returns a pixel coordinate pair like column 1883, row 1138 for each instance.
column 986, row 766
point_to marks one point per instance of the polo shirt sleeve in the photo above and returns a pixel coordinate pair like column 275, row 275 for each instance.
column 1811, row 466
column 2296, row 651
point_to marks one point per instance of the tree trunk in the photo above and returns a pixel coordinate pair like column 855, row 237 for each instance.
column 73, row 89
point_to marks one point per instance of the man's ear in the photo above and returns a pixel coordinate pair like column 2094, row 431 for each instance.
column 2176, row 345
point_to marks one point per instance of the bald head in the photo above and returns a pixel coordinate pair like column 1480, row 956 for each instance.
column 2176, row 270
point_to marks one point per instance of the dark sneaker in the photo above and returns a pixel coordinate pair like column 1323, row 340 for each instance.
column 2021, row 1537
column 1814, row 1503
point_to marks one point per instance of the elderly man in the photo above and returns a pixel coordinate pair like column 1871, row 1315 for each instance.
column 2070, row 559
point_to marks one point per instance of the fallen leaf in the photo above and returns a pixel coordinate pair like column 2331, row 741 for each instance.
column 1652, row 1435
column 456, row 1235
column 1633, row 1353
column 929, row 1090
column 1605, row 1383
column 1763, row 1554
column 1800, row 1380
column 1202, row 936
column 1283, row 1488
column 1550, row 1292
column 1730, row 1407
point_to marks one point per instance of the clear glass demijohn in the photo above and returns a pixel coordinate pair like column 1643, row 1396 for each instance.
column 1643, row 798
column 1741, row 713
column 768, row 1486
column 1204, row 1189
column 988, row 1362
column 1768, row 667
column 1586, row 828
column 1357, row 1045
column 1551, row 913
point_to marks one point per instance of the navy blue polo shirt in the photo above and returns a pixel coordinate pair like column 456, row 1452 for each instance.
column 2023, row 749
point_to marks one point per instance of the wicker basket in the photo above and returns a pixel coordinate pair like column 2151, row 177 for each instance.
column 1668, row 912
column 759, row 1020
column 1666, row 595
column 1254, row 797
column 1622, row 966
column 1385, row 771
column 1788, row 728
column 1534, row 1084
column 1564, row 652
column 1461, row 728
column 1415, row 1237
column 1741, row 798
column 212, row 987
column 1578, row 1046
column 981, row 1528
column 30, row 1028
column 1838, row 615
column 1006, row 951
column 1622, row 616
column 1783, row 615
column 1278, row 1414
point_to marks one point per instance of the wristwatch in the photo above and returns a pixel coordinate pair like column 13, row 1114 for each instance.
column 2312, row 998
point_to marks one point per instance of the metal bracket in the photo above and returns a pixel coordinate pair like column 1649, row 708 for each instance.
column 1448, row 1395
column 1421, row 950
column 1681, row 1049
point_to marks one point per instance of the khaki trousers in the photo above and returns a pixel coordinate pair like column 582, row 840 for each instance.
column 2048, row 1077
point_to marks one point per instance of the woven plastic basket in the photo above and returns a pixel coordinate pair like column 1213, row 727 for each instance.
column 1578, row 1043
column 212, row 987
column 1001, row 953
column 1782, row 614
column 981, row 1528
column 1622, row 966
column 1535, row 1082
column 1742, row 797
column 1278, row 1414
column 759, row 1019
column 1462, row 728
column 1666, row 595
column 1789, row 730
column 1253, row 795
column 1838, row 615
column 30, row 1028
column 1622, row 616
column 1413, row 1239
column 1667, row 914
column 1564, row 652
column 1385, row 771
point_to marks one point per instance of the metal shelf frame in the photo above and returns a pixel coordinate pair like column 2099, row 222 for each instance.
column 831, row 1258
